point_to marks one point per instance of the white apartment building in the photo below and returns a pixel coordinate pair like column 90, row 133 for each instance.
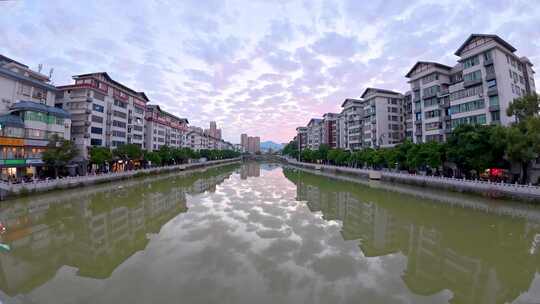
column 349, row 125
column 383, row 118
column 314, row 133
column 301, row 138
column 329, row 130
column 430, row 89
column 477, row 90
column 164, row 129
column 104, row 112
column 197, row 139
column 408, row 116
column 28, row 118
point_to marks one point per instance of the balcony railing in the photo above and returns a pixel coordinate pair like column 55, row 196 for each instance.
column 471, row 82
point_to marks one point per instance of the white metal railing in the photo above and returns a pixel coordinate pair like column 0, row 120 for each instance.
column 92, row 178
column 448, row 181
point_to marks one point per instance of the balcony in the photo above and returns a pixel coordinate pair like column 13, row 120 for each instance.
column 429, row 95
column 445, row 104
column 416, row 98
column 447, row 118
column 472, row 82
column 418, row 110
column 89, row 99
column 493, row 91
column 448, row 130
column 443, row 92
column 488, row 61
column 418, row 132
column 418, row 122
column 490, row 76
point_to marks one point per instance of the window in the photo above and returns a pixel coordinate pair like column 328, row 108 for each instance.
column 470, row 62
column 496, row 115
column 494, row 100
column 119, row 124
column 138, row 110
column 95, row 130
column 418, row 116
column 521, row 79
column 466, row 93
column 120, row 103
column 471, row 120
column 476, row 75
column 116, row 143
column 35, row 134
column 430, row 78
column 431, row 91
column 25, row 90
column 119, row 114
column 433, row 126
column 467, row 106
column 97, row 108
column 434, row 113
column 488, row 56
column 118, row 133
column 490, row 69
column 97, row 119
column 99, row 96
column 492, row 83
column 431, row 102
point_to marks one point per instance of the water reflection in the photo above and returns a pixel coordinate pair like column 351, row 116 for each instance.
column 479, row 257
column 93, row 230
column 260, row 233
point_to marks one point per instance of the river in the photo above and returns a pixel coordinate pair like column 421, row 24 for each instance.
column 263, row 233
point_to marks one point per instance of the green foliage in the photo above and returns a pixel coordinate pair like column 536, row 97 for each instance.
column 100, row 155
column 524, row 107
column 128, row 152
column 59, row 152
column 291, row 149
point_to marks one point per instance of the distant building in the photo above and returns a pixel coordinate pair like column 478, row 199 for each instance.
column 383, row 118
column 254, row 144
column 314, row 133
column 164, row 129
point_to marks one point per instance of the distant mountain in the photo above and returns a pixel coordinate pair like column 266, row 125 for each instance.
column 267, row 145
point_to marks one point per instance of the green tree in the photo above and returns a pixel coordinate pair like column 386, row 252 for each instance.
column 165, row 154
column 524, row 107
column 322, row 152
column 153, row 157
column 100, row 156
column 59, row 152
column 291, row 149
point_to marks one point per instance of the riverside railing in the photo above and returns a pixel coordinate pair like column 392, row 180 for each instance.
column 74, row 181
column 494, row 189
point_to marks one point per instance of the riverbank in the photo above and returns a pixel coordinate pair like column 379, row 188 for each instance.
column 484, row 188
column 8, row 190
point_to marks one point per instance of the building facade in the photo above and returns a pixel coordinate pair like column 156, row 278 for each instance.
column 104, row 112
column 349, row 125
column 301, row 138
column 28, row 119
column 314, row 133
column 383, row 118
column 329, row 130
column 164, row 129
column 477, row 90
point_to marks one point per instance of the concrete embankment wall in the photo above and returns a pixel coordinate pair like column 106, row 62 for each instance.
column 9, row 190
column 489, row 189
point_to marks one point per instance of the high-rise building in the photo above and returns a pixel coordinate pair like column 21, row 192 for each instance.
column 164, row 129
column 254, row 144
column 301, row 138
column 314, row 133
column 349, row 125
column 28, row 118
column 329, row 130
column 104, row 112
column 244, row 142
column 477, row 90
column 383, row 118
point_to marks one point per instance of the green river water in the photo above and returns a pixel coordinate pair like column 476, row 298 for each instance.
column 264, row 233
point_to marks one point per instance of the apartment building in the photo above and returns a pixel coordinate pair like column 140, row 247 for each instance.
column 349, row 125
column 254, row 144
column 383, row 118
column 314, row 133
column 477, row 90
column 430, row 89
column 104, row 112
column 329, row 130
column 164, row 129
column 28, row 118
column 197, row 139
column 301, row 138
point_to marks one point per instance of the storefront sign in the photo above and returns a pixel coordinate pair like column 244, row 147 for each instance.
column 35, row 143
column 14, row 162
column 8, row 141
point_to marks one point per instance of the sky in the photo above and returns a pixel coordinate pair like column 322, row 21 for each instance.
column 261, row 67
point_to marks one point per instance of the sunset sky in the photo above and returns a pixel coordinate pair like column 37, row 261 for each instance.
column 261, row 67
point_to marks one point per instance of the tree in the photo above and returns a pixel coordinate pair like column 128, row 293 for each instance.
column 59, row 152
column 128, row 153
column 100, row 155
column 153, row 157
column 291, row 149
column 524, row 107
column 322, row 152
column 165, row 154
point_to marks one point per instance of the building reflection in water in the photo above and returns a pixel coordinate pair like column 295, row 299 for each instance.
column 479, row 257
column 250, row 169
column 91, row 229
